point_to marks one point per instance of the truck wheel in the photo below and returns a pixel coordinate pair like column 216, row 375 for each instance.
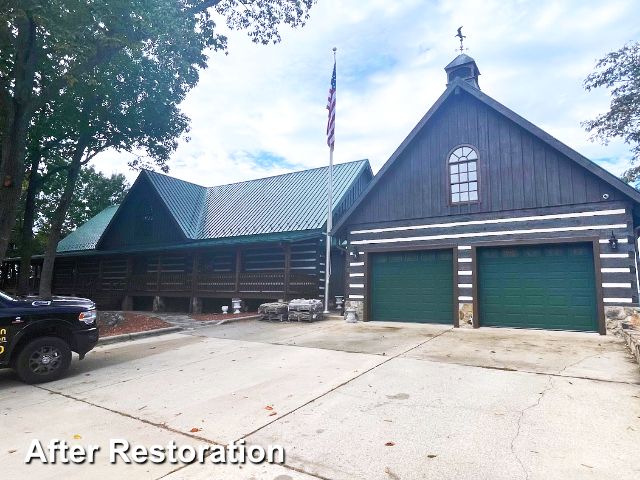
column 43, row 360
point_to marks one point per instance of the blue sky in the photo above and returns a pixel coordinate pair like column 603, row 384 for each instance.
column 261, row 110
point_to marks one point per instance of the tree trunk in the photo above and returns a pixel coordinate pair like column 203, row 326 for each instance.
column 28, row 220
column 17, row 111
column 59, row 216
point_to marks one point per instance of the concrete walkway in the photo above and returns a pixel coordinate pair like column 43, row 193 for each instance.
column 351, row 401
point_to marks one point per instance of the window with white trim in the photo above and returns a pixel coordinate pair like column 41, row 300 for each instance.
column 463, row 175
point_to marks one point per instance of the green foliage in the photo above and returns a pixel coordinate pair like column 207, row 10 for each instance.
column 94, row 192
column 620, row 72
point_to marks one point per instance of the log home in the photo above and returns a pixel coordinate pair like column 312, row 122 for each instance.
column 176, row 245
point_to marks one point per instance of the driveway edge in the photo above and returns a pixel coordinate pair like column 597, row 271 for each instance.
column 632, row 339
column 125, row 337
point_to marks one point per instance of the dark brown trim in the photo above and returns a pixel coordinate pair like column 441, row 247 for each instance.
column 474, row 287
column 597, row 265
column 366, row 308
column 367, row 274
column 595, row 242
column 456, row 302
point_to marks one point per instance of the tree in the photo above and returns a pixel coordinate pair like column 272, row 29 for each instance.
column 619, row 71
column 49, row 51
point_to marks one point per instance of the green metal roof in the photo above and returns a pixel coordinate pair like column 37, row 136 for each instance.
column 87, row 235
column 244, row 212
column 183, row 199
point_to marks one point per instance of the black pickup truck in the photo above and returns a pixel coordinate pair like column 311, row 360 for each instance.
column 37, row 336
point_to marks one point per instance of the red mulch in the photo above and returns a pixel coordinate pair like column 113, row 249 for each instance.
column 133, row 322
column 220, row 316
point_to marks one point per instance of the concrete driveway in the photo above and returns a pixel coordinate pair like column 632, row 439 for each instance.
column 351, row 401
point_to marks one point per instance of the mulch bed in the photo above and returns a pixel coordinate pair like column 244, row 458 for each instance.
column 132, row 323
column 220, row 316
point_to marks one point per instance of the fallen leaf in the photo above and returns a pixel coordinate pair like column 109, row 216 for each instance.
column 178, row 414
column 12, row 451
column 273, row 413
column 432, row 456
column 87, row 374
column 389, row 444
column 152, row 348
column 194, row 430
column 386, row 469
column 268, row 408
column 586, row 465
column 388, row 420
column 77, row 437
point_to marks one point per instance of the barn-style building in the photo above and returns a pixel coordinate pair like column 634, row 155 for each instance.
column 480, row 218
column 175, row 245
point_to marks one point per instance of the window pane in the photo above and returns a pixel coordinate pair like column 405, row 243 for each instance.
column 455, row 188
column 466, row 151
column 464, row 187
column 473, row 155
column 473, row 176
column 473, row 186
column 473, row 196
column 455, row 197
column 454, row 168
column 455, row 178
column 464, row 197
column 472, row 166
column 463, row 177
column 458, row 152
column 463, row 168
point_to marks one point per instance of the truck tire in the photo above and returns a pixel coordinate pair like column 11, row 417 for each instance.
column 43, row 360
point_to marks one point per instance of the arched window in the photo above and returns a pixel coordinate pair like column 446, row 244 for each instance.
column 463, row 175
column 144, row 222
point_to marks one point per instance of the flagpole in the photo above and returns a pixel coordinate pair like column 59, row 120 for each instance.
column 327, row 266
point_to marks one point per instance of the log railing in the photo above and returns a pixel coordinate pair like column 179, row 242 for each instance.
column 204, row 283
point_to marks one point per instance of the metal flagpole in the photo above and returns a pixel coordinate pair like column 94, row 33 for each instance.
column 327, row 266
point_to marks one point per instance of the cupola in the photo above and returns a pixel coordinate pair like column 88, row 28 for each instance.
column 465, row 68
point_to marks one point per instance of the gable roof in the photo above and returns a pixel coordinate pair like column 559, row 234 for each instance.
column 86, row 236
column 456, row 84
column 230, row 214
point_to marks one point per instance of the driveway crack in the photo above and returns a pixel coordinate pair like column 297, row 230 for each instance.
column 520, row 418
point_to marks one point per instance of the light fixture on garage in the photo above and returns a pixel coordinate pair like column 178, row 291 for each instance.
column 354, row 253
column 613, row 242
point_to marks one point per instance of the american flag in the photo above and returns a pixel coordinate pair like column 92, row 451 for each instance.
column 331, row 106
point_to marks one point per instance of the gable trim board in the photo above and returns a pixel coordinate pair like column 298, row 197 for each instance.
column 453, row 89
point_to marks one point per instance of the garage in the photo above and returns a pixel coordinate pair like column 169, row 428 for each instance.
column 412, row 286
column 548, row 286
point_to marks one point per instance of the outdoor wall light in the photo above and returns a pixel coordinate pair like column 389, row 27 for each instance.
column 613, row 242
column 354, row 253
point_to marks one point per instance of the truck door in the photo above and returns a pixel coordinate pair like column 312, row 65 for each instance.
column 9, row 326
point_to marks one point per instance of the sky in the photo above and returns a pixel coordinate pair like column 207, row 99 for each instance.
column 261, row 110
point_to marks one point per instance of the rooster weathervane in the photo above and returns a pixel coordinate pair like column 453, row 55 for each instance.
column 461, row 37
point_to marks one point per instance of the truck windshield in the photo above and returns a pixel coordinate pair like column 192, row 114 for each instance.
column 6, row 297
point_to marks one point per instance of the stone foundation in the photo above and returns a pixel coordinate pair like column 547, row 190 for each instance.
column 617, row 316
column 127, row 303
column 158, row 304
column 358, row 305
column 196, row 305
column 466, row 315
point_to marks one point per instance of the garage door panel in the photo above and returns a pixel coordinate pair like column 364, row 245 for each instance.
column 547, row 286
column 422, row 286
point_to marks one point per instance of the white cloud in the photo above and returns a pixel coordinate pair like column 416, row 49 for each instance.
column 257, row 101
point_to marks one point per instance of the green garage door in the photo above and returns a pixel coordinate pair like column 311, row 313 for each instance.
column 542, row 286
column 412, row 286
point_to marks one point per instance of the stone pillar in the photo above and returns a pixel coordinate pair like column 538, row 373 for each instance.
column 196, row 305
column 127, row 303
column 158, row 304
column 466, row 315
column 358, row 305
column 616, row 316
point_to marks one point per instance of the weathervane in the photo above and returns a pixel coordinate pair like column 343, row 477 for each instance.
column 461, row 37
